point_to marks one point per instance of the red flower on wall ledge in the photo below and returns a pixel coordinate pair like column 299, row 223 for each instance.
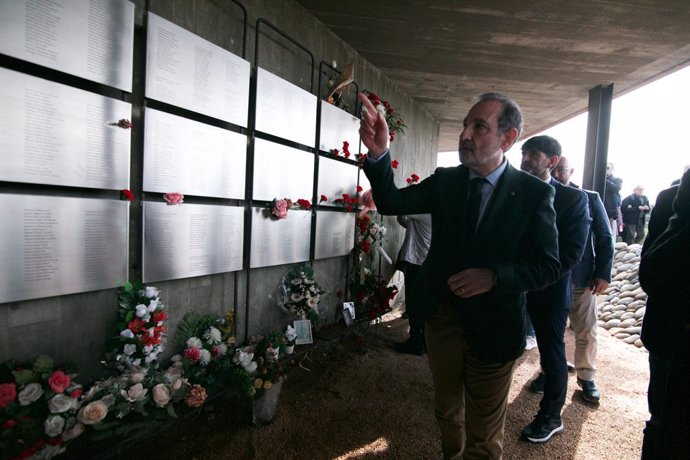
column 122, row 123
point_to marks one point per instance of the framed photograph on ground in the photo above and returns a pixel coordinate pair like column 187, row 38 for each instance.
column 303, row 329
column 349, row 313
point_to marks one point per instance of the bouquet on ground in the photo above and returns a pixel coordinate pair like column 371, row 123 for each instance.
column 300, row 293
column 141, row 330
column 39, row 408
column 206, row 358
column 269, row 371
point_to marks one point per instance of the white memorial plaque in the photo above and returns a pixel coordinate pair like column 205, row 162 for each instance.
column 336, row 178
column 55, row 134
column 55, row 245
column 184, row 70
column 193, row 158
column 282, row 172
column 335, row 234
column 279, row 242
column 90, row 39
column 182, row 241
column 338, row 126
column 285, row 110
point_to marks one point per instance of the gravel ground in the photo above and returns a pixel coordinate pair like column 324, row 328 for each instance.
column 360, row 399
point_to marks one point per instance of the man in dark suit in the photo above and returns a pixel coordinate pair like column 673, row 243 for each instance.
column 664, row 272
column 473, row 280
column 590, row 278
column 548, row 307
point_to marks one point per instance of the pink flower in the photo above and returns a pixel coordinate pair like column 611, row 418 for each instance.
column 193, row 354
column 196, row 396
column 280, row 209
column 59, row 381
column 8, row 393
column 173, row 198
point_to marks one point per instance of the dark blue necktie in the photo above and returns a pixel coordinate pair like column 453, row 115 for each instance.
column 474, row 199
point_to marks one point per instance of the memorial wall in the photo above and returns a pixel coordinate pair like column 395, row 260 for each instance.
column 66, row 136
column 101, row 101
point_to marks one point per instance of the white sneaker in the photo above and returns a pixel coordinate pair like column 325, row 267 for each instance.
column 531, row 342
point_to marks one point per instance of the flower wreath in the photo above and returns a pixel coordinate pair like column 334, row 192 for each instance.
column 300, row 293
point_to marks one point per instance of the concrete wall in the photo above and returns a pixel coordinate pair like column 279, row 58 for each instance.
column 76, row 327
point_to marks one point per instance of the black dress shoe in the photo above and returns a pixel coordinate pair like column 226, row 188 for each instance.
column 411, row 347
column 590, row 392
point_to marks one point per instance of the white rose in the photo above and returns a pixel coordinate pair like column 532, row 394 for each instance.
column 53, row 425
column 161, row 395
column 150, row 358
column 137, row 377
column 193, row 342
column 151, row 292
column 135, row 393
column 127, row 334
column 212, row 336
column 141, row 310
column 177, row 384
column 59, row 403
column 30, row 393
column 152, row 306
column 147, row 349
column 92, row 413
column 136, row 362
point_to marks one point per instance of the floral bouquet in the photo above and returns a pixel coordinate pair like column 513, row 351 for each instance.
column 39, row 409
column 300, row 293
column 371, row 233
column 373, row 295
column 268, row 372
column 206, row 359
column 141, row 330
column 393, row 119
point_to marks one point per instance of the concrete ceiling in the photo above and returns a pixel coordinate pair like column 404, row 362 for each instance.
column 546, row 54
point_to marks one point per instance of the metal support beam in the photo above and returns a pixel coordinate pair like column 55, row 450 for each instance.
column 597, row 147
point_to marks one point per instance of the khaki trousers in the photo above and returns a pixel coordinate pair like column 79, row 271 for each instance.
column 583, row 320
column 470, row 397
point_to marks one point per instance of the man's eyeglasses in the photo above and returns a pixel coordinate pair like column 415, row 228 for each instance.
column 561, row 170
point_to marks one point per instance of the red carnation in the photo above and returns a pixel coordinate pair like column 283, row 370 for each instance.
column 323, row 198
column 158, row 316
column 394, row 164
column 127, row 194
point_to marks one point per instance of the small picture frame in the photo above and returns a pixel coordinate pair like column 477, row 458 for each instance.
column 349, row 313
column 303, row 329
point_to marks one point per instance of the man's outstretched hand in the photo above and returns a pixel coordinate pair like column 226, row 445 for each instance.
column 373, row 128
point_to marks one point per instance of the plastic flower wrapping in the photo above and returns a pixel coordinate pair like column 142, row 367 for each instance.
column 300, row 293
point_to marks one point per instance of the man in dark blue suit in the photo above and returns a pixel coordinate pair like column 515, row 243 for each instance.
column 590, row 277
column 548, row 307
column 472, row 284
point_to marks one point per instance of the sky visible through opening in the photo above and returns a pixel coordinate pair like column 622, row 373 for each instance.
column 646, row 145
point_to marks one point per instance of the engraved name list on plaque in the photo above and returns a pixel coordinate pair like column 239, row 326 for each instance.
column 338, row 126
column 336, row 178
column 279, row 242
column 184, row 70
column 59, row 135
column 191, row 240
column 284, row 110
column 335, row 234
column 192, row 158
column 282, row 172
column 58, row 245
column 90, row 39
